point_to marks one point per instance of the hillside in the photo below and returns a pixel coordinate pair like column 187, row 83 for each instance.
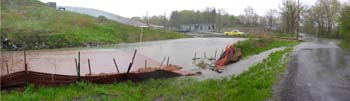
column 33, row 25
column 96, row 13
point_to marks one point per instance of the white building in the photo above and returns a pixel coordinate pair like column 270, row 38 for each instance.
column 197, row 27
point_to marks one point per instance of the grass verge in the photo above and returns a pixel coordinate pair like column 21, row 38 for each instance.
column 257, row 45
column 254, row 84
column 345, row 44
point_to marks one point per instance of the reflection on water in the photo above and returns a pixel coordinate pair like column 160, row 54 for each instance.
column 61, row 61
column 182, row 51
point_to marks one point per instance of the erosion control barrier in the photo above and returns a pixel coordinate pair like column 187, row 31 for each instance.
column 22, row 78
column 71, row 69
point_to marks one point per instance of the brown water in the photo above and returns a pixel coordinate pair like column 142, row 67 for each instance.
column 181, row 51
column 62, row 61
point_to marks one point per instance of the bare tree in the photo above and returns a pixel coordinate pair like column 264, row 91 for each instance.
column 331, row 12
column 323, row 17
column 251, row 18
column 289, row 16
column 271, row 18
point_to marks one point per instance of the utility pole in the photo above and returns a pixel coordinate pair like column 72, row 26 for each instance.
column 147, row 19
column 165, row 20
column 141, row 34
column 298, row 20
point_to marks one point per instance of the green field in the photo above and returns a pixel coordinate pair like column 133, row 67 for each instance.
column 32, row 24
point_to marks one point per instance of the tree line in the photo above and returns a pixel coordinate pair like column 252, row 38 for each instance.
column 328, row 18
column 209, row 15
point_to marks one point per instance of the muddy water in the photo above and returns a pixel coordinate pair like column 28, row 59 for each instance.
column 61, row 61
column 182, row 51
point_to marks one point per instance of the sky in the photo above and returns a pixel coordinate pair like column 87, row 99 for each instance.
column 131, row 8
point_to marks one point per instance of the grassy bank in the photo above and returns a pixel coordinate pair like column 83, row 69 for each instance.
column 254, row 84
column 32, row 24
column 345, row 44
column 257, row 45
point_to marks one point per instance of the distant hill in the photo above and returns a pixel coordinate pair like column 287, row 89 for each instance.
column 96, row 13
column 31, row 24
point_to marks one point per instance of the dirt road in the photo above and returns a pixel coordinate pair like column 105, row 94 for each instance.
column 319, row 71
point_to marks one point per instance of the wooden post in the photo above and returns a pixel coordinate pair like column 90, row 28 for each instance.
column 89, row 66
column 162, row 62
column 115, row 64
column 145, row 63
column 167, row 63
column 7, row 67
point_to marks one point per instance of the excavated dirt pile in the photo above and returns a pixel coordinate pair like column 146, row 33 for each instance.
column 231, row 54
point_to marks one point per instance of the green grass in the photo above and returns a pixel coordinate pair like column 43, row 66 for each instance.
column 345, row 44
column 252, row 85
column 31, row 23
column 257, row 45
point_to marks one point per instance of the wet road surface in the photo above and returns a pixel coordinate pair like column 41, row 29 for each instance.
column 319, row 71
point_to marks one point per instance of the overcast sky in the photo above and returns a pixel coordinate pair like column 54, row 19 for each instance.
column 130, row 8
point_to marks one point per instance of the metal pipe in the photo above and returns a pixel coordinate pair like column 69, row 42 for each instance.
column 26, row 68
column 25, row 61
column 195, row 56
column 78, row 65
column 115, row 64
column 215, row 53
column 7, row 67
column 89, row 66
column 145, row 63
column 132, row 62
column 167, row 63
column 133, row 58
column 162, row 62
